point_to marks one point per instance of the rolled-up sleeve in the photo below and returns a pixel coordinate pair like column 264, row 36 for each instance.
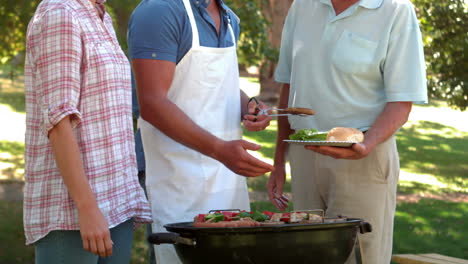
column 405, row 69
column 58, row 58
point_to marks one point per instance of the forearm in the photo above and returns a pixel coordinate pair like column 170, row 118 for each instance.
column 68, row 160
column 284, row 129
column 173, row 122
column 393, row 117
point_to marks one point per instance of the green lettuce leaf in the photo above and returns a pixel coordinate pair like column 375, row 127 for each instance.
column 308, row 134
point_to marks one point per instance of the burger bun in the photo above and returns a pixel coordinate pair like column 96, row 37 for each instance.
column 345, row 134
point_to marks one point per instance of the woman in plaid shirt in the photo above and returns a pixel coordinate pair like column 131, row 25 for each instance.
column 82, row 194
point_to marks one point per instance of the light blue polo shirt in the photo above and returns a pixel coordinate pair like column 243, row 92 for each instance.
column 161, row 30
column 347, row 67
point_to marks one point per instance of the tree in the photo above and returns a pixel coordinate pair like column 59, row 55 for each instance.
column 275, row 12
column 121, row 10
column 261, row 27
column 254, row 46
column 14, row 18
column 444, row 27
column 443, row 23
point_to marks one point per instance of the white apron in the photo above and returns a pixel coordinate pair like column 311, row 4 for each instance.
column 181, row 182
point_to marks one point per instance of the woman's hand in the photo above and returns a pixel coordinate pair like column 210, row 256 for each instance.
column 95, row 232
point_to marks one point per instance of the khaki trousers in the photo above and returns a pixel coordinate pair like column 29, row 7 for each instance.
column 364, row 188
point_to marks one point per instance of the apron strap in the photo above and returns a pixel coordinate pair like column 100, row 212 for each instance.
column 232, row 34
column 195, row 37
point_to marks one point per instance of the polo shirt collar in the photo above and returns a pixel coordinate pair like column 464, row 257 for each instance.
column 369, row 4
column 205, row 3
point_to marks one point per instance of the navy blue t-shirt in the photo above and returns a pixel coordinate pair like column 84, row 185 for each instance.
column 161, row 30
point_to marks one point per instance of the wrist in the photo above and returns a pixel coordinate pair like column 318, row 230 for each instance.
column 217, row 149
column 86, row 204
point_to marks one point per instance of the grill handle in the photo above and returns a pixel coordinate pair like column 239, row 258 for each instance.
column 170, row 238
column 365, row 227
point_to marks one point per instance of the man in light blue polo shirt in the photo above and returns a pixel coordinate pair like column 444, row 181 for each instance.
column 184, row 61
column 359, row 64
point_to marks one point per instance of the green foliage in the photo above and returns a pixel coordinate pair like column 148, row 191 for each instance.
column 14, row 18
column 444, row 26
column 254, row 46
column 120, row 11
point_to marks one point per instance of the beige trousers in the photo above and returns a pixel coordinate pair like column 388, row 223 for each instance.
column 364, row 188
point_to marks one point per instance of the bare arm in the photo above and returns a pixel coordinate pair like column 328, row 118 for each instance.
column 94, row 228
column 153, row 79
column 284, row 129
column 393, row 117
column 278, row 176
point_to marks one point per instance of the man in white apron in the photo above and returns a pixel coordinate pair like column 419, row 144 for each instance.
column 191, row 110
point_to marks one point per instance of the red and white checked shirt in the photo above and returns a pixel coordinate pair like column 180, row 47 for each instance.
column 75, row 66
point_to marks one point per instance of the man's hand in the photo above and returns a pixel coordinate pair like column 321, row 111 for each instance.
column 275, row 188
column 254, row 122
column 394, row 116
column 95, row 232
column 234, row 155
column 355, row 152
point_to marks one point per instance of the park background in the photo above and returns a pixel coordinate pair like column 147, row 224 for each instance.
column 432, row 211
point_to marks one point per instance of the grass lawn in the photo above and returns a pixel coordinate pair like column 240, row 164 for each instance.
column 433, row 148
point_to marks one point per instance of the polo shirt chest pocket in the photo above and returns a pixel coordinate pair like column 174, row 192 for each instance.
column 354, row 54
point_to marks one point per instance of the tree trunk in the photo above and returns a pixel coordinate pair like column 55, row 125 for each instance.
column 275, row 12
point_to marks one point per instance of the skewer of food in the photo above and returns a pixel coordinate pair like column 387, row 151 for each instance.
column 249, row 219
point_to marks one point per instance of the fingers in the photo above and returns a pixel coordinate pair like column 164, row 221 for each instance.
column 263, row 166
column 333, row 152
column 86, row 244
column 93, row 247
column 101, row 248
column 236, row 157
column 248, row 172
column 256, row 123
column 356, row 151
column 282, row 203
column 100, row 245
column 252, row 107
column 254, row 168
column 108, row 247
column 249, row 145
column 275, row 189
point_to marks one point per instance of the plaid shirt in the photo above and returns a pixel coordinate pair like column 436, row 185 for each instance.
column 75, row 66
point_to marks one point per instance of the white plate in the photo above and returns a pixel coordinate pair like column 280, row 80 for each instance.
column 321, row 143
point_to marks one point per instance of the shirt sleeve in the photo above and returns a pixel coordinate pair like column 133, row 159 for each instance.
column 283, row 69
column 404, row 68
column 57, row 55
column 154, row 31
